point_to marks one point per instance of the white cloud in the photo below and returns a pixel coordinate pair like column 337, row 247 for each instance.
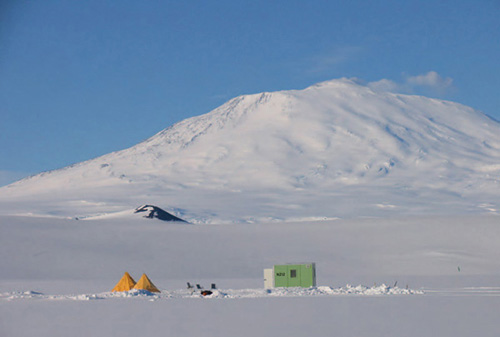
column 432, row 80
column 429, row 83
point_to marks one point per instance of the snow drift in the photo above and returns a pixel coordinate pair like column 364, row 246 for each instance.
column 227, row 294
column 335, row 149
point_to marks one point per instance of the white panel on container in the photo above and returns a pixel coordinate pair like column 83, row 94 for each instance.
column 268, row 279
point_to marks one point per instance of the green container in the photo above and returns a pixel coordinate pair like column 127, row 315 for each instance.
column 295, row 275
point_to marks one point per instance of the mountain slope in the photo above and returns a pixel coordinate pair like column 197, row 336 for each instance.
column 335, row 149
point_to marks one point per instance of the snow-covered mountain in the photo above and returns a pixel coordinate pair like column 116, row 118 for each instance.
column 335, row 149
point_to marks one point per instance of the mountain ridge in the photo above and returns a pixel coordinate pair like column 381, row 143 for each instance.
column 331, row 136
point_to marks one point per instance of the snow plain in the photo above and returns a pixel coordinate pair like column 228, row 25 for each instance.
column 56, row 275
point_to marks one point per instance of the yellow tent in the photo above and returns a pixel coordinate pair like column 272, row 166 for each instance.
column 146, row 284
column 125, row 284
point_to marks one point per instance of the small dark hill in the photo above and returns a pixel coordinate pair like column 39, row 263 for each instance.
column 156, row 212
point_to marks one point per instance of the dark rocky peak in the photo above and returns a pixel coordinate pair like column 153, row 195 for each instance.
column 151, row 212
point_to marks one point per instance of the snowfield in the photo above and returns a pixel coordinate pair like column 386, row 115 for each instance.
column 56, row 276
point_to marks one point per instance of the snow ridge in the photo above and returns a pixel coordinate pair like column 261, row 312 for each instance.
column 227, row 294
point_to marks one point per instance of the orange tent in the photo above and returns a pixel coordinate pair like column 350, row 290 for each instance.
column 146, row 284
column 125, row 284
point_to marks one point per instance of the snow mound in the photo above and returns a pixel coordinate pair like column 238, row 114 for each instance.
column 145, row 211
column 225, row 294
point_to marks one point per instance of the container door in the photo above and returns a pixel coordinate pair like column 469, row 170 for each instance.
column 308, row 277
column 268, row 279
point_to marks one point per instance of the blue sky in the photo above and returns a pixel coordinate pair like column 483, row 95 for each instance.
column 79, row 79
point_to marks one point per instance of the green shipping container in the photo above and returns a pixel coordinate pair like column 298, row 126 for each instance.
column 295, row 275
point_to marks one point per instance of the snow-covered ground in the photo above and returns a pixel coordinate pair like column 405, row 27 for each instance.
column 411, row 276
column 218, row 293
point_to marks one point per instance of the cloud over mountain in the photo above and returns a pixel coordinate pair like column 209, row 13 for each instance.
column 431, row 81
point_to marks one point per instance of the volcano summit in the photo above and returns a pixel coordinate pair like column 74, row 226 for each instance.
column 335, row 149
